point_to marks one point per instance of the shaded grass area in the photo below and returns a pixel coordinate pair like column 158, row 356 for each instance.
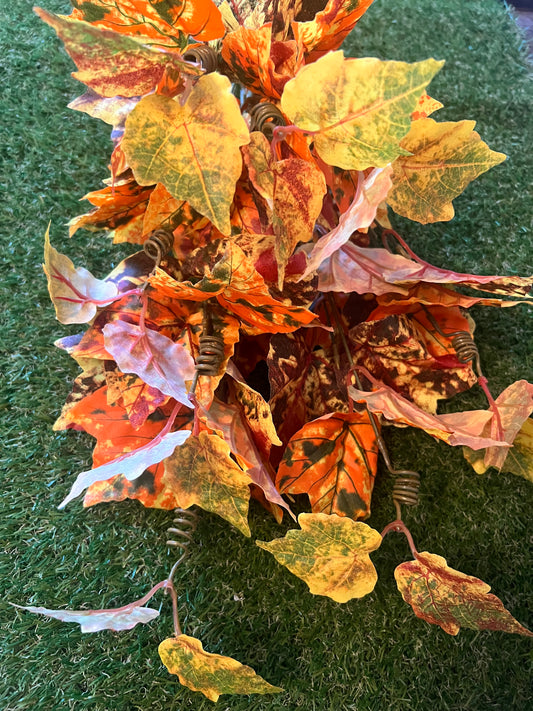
column 371, row 654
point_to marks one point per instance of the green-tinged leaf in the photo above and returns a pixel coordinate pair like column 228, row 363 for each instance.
column 445, row 158
column 202, row 472
column 211, row 674
column 331, row 554
column 193, row 150
column 520, row 458
column 448, row 598
column 357, row 110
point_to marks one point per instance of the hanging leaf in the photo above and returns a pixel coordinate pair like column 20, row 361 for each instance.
column 75, row 292
column 202, row 472
column 330, row 554
column 444, row 158
column 357, row 110
column 520, row 459
column 113, row 110
column 334, row 460
column 192, row 149
column 211, row 674
column 448, row 598
column 110, row 63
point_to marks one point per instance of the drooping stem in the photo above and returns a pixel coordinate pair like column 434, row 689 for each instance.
column 399, row 527
column 169, row 586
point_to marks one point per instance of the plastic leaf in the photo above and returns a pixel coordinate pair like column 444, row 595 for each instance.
column 356, row 122
column 448, row 598
column 156, row 359
column 211, row 674
column 110, row 63
column 139, row 399
column 426, row 106
column 520, row 459
column 331, row 554
column 202, row 472
column 112, row 110
column 445, row 158
column 193, row 149
column 75, row 292
column 334, row 460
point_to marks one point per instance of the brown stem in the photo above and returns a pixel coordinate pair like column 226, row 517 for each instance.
column 399, row 527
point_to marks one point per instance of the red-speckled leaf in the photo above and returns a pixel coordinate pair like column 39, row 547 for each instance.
column 333, row 460
column 139, row 399
column 161, row 22
column 426, row 106
column 110, row 63
column 515, row 405
column 446, row 597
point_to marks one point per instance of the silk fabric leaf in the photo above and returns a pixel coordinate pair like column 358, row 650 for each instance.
column 519, row 461
column 75, row 292
column 330, row 554
column 192, row 149
column 445, row 158
column 202, row 472
column 113, row 111
column 110, row 63
column 446, row 597
column 138, row 399
column 357, row 110
column 333, row 460
column 211, row 674
column 426, row 106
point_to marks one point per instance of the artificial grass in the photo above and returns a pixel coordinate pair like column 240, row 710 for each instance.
column 367, row 655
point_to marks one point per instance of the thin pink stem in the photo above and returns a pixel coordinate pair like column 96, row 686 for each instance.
column 482, row 380
column 399, row 527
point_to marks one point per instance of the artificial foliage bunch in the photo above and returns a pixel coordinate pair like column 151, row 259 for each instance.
column 272, row 322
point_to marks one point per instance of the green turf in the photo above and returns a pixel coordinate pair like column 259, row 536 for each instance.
column 372, row 654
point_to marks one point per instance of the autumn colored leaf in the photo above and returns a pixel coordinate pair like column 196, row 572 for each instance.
column 331, row 554
column 152, row 356
column 454, row 429
column 426, row 106
column 443, row 159
column 192, row 149
column 330, row 27
column 355, row 122
column 448, row 598
column 75, row 292
column 333, row 460
column 371, row 191
column 515, row 405
column 111, row 63
column 119, row 209
column 138, row 399
column 260, row 64
column 92, row 378
column 211, row 674
column 113, row 110
column 158, row 21
column 202, row 472
column 520, row 458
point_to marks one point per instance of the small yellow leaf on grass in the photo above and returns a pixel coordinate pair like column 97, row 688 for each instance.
column 445, row 158
column 330, row 553
column 211, row 674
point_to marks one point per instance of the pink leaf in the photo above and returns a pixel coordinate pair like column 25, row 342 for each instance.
column 118, row 619
column 156, row 359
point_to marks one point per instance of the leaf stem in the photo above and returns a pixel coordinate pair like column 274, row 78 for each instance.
column 399, row 527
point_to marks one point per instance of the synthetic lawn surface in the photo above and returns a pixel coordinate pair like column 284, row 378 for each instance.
column 372, row 654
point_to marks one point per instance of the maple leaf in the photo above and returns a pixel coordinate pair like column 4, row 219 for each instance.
column 444, row 158
column 110, row 63
column 426, row 106
column 520, row 459
column 202, row 472
column 371, row 191
column 139, row 399
column 75, row 292
column 91, row 379
column 211, row 674
column 331, row 554
column 152, row 356
column 514, row 405
column 159, row 21
column 448, row 598
column 113, row 110
column 192, row 149
column 329, row 28
column 355, row 122
column 333, row 460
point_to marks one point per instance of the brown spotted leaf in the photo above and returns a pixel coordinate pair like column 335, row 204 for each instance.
column 211, row 674
column 203, row 473
column 192, row 149
column 520, row 459
column 444, row 158
column 333, row 460
column 331, row 554
column 448, row 598
column 139, row 399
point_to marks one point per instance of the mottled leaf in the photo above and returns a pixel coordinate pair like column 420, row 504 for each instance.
column 520, row 458
column 448, row 598
column 331, row 554
column 426, row 106
column 444, row 158
column 139, row 399
column 192, row 149
column 202, row 472
column 75, row 292
column 211, row 674
column 113, row 110
column 357, row 110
